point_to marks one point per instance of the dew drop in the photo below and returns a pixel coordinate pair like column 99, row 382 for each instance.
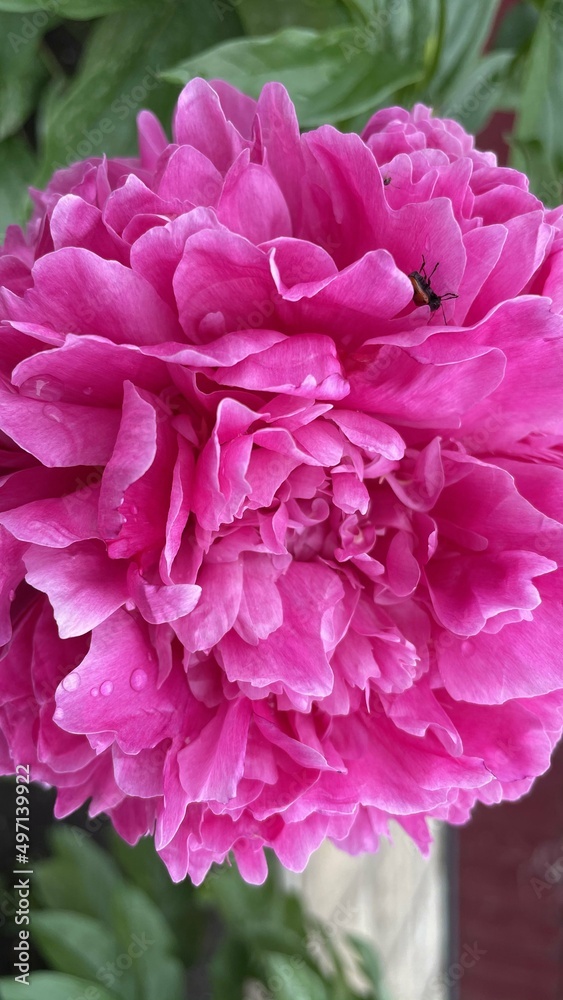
column 88, row 390
column 95, row 692
column 12, row 594
column 138, row 679
column 467, row 647
column 133, row 510
column 71, row 681
column 106, row 688
column 58, row 714
column 53, row 413
column 45, row 387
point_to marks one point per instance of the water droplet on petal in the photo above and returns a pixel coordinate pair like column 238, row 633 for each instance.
column 71, row 681
column 138, row 679
column 88, row 390
column 12, row 594
column 53, row 413
column 106, row 688
column 467, row 647
column 133, row 510
column 95, row 692
column 58, row 714
column 45, row 387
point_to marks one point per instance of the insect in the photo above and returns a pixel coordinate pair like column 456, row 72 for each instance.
column 424, row 294
column 386, row 181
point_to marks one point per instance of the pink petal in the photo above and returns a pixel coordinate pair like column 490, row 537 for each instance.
column 82, row 584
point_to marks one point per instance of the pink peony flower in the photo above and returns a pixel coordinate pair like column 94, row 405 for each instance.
column 280, row 547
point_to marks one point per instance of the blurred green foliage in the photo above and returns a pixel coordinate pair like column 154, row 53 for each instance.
column 112, row 921
column 74, row 73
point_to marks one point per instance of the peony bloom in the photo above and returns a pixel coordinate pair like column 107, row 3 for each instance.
column 280, row 546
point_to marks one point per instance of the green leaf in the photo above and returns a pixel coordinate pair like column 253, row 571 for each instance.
column 72, row 942
column 537, row 141
column 466, row 28
column 132, row 912
column 517, row 27
column 291, row 979
column 142, row 932
column 17, row 166
column 163, row 977
column 260, row 18
column 229, row 968
column 330, row 76
column 119, row 75
column 91, row 875
column 52, row 986
column 22, row 72
column 368, row 961
column 59, row 887
column 481, row 91
column 81, row 10
column 142, row 865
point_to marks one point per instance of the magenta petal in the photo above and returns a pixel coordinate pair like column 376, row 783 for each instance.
column 303, row 365
column 375, row 437
column 200, row 121
column 212, row 765
column 59, row 433
column 80, row 292
column 216, row 611
column 152, row 139
column 282, row 540
column 247, row 184
column 260, row 612
column 295, row 655
column 58, row 522
column 191, row 177
column 97, row 696
column 133, row 455
column 74, row 223
column 89, row 370
column 520, row 661
column 82, row 584
column 11, row 574
column 159, row 605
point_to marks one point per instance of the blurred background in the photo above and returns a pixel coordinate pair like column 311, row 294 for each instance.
column 482, row 920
